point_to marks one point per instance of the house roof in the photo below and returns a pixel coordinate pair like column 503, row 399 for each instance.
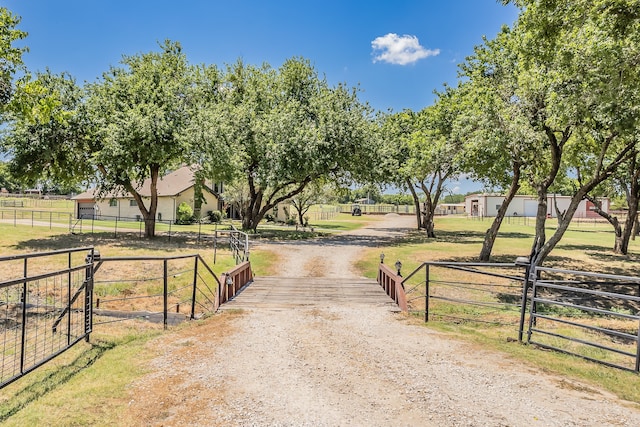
column 169, row 185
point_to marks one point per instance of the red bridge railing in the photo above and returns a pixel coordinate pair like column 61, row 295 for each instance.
column 391, row 282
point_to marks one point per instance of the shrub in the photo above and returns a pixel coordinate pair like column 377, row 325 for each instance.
column 215, row 216
column 185, row 213
column 291, row 221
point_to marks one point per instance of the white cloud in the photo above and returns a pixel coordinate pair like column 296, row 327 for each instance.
column 401, row 50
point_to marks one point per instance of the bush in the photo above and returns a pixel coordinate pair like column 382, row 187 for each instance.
column 185, row 214
column 215, row 216
column 291, row 221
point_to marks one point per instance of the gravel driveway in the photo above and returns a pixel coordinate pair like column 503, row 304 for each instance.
column 341, row 365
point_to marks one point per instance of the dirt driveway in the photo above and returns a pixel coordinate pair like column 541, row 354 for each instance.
column 340, row 365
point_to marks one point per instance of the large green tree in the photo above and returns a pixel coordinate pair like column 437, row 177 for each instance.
column 422, row 152
column 580, row 84
column 138, row 112
column 272, row 132
column 10, row 55
column 54, row 146
column 118, row 132
column 499, row 142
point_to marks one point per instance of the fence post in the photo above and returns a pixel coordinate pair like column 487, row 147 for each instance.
column 426, row 295
column 532, row 308
column 638, row 351
column 115, row 229
column 165, row 293
column 24, row 319
column 523, row 262
column 50, row 219
column 215, row 243
column 69, row 264
column 195, row 284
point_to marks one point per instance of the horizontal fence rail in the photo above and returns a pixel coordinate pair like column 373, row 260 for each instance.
column 45, row 307
column 166, row 289
column 92, row 224
column 36, row 218
column 379, row 209
column 589, row 315
column 493, row 293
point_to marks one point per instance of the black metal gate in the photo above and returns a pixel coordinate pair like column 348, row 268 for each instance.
column 45, row 307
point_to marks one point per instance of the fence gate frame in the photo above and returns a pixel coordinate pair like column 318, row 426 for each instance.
column 50, row 311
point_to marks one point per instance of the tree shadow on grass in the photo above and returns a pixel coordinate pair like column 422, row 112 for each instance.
column 53, row 380
column 129, row 240
column 460, row 237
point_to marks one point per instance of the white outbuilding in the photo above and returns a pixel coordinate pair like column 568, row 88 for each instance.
column 487, row 205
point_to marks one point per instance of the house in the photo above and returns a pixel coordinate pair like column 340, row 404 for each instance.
column 487, row 205
column 173, row 189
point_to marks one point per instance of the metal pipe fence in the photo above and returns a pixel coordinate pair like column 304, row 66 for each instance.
column 589, row 315
column 36, row 218
column 379, row 209
column 166, row 289
column 468, row 292
column 45, row 308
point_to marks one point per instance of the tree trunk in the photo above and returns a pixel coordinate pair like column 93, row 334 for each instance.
column 541, row 219
column 617, row 228
column 150, row 218
column 492, row 233
column 416, row 203
column 428, row 220
column 630, row 224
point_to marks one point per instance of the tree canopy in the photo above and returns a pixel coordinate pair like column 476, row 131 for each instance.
column 271, row 133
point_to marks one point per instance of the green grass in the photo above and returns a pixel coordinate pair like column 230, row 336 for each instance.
column 87, row 385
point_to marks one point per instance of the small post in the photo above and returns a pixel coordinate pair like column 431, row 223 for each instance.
column 523, row 262
column 195, row 285
column 426, row 295
column 165, row 292
column 215, row 242
column 638, row 351
column 229, row 282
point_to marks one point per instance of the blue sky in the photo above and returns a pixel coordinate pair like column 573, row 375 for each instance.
column 398, row 52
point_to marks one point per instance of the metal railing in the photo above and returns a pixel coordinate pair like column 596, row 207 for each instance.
column 45, row 308
column 379, row 209
column 238, row 243
column 469, row 292
column 167, row 289
column 589, row 315
column 34, row 218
